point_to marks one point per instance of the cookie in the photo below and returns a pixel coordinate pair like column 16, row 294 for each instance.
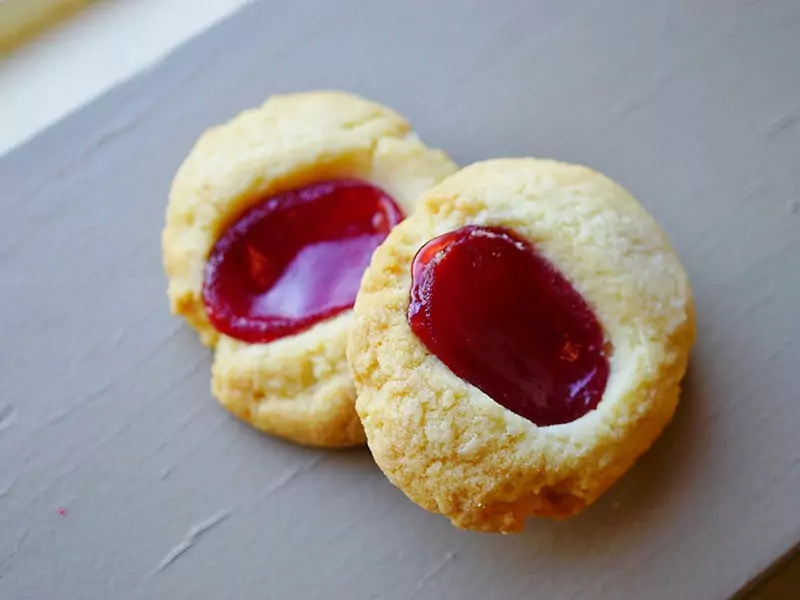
column 271, row 220
column 519, row 341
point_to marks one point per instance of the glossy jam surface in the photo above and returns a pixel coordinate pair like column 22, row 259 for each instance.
column 503, row 319
column 295, row 259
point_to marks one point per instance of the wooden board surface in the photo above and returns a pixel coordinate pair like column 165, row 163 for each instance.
column 105, row 410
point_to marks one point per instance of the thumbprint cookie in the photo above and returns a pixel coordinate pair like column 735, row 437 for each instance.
column 518, row 342
column 271, row 221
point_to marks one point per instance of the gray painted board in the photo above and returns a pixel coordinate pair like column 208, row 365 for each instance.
column 105, row 410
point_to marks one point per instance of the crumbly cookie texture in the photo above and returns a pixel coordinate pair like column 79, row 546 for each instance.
column 448, row 446
column 298, row 387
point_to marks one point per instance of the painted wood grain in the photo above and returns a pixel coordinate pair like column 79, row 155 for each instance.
column 120, row 477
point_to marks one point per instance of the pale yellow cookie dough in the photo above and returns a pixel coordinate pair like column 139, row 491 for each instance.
column 450, row 447
column 297, row 387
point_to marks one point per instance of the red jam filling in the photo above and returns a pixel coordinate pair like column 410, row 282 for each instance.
column 503, row 319
column 295, row 259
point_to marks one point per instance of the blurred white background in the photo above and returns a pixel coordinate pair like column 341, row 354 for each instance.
column 77, row 59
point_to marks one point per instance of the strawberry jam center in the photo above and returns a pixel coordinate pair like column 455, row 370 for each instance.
column 505, row 320
column 295, row 259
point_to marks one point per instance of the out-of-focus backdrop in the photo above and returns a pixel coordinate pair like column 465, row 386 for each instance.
column 56, row 55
